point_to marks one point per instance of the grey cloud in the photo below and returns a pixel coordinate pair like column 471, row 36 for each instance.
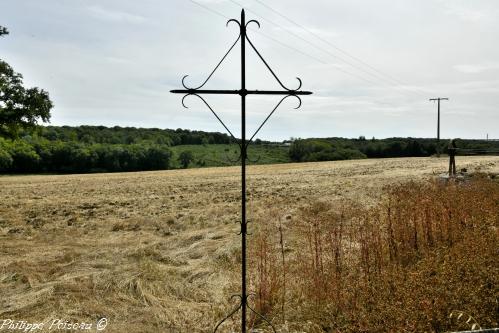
column 113, row 62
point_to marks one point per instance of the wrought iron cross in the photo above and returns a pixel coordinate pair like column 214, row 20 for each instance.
column 243, row 142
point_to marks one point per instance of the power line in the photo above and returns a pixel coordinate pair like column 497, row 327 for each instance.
column 261, row 33
column 286, row 45
column 338, row 48
column 312, row 44
column 289, row 46
column 396, row 85
column 209, row 9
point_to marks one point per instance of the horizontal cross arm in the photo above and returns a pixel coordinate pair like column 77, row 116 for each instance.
column 278, row 92
column 240, row 92
column 205, row 91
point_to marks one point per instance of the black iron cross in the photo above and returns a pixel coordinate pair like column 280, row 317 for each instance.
column 243, row 143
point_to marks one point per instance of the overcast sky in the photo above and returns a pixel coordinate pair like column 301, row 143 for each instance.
column 372, row 65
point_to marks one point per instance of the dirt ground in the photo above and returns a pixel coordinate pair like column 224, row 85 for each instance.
column 153, row 251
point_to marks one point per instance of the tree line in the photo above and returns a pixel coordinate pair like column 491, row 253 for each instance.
column 81, row 149
column 330, row 149
column 85, row 149
column 43, row 156
column 129, row 135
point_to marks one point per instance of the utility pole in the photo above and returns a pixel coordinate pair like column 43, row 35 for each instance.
column 438, row 99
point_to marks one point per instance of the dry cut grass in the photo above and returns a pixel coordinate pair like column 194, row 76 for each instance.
column 159, row 251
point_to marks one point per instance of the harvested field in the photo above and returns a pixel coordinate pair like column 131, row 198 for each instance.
column 158, row 251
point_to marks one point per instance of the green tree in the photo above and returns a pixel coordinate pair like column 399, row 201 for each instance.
column 19, row 107
column 157, row 158
column 5, row 157
column 185, row 158
column 299, row 150
column 24, row 157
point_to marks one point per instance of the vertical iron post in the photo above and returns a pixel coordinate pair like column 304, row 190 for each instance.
column 243, row 145
column 244, row 296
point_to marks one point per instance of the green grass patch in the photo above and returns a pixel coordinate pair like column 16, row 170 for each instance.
column 214, row 155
